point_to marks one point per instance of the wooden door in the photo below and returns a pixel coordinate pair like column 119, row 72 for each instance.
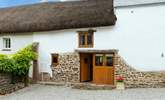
column 86, row 67
column 103, row 70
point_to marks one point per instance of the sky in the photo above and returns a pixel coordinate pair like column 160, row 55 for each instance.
column 10, row 3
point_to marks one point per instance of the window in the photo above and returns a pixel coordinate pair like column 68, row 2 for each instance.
column 86, row 39
column 109, row 59
column 82, row 39
column 90, row 39
column 99, row 60
column 104, row 59
column 55, row 59
column 6, row 43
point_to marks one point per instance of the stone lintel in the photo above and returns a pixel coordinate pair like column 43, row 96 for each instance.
column 115, row 51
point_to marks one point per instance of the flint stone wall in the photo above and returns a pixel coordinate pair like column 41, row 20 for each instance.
column 138, row 79
column 68, row 68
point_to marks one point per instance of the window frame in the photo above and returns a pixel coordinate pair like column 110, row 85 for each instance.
column 52, row 56
column 99, row 55
column 6, row 45
column 104, row 59
column 86, row 45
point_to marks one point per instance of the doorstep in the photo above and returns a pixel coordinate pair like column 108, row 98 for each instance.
column 52, row 83
column 92, row 86
column 82, row 86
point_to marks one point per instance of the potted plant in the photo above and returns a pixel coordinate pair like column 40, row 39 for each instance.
column 120, row 83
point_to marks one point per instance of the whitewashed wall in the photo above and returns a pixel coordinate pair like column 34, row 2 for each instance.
column 139, row 35
column 17, row 42
column 54, row 42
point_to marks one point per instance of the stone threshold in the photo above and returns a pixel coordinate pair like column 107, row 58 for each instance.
column 82, row 86
column 52, row 83
column 92, row 86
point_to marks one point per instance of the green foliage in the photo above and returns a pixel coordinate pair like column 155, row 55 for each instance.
column 6, row 64
column 23, row 60
column 18, row 63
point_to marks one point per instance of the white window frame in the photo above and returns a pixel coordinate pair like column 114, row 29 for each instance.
column 6, row 43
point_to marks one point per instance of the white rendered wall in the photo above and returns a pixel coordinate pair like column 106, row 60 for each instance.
column 18, row 41
column 139, row 35
column 54, row 42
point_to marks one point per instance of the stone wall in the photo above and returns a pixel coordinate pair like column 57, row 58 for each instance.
column 68, row 68
column 138, row 79
column 6, row 86
column 4, row 79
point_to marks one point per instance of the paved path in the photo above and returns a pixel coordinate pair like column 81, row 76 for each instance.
column 41, row 92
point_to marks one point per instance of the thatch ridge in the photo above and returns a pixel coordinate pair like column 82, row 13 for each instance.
column 57, row 16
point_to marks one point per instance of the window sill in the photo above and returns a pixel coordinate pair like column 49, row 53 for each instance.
column 89, row 46
column 6, row 49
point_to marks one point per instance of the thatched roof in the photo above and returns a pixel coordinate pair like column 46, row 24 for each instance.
column 57, row 16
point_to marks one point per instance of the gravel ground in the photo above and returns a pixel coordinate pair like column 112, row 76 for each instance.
column 42, row 92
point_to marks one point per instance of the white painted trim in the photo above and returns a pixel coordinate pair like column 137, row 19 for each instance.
column 7, row 49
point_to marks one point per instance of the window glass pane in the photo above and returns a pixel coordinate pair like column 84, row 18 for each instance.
column 54, row 58
column 9, row 45
column 99, row 60
column 109, row 60
column 82, row 39
column 6, row 43
column 90, row 39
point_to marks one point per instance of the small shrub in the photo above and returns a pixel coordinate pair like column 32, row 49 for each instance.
column 23, row 60
column 19, row 63
column 6, row 64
